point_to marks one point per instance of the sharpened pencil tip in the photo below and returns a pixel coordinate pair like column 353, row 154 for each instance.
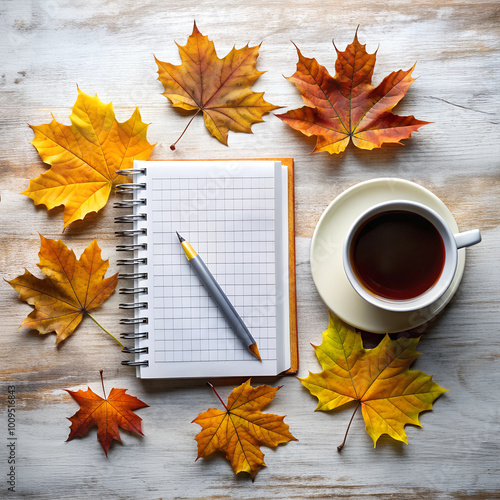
column 255, row 351
column 181, row 239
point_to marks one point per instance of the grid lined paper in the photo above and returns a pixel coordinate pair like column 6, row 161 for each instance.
column 230, row 221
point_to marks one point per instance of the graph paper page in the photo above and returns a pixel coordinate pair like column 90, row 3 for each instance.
column 235, row 216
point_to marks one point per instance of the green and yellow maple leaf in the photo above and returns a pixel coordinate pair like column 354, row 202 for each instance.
column 389, row 394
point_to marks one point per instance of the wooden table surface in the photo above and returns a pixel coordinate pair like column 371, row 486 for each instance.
column 51, row 46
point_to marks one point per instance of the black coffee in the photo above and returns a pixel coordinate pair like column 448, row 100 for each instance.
column 397, row 255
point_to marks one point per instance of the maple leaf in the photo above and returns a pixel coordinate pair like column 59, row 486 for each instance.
column 242, row 427
column 70, row 290
column 85, row 157
column 108, row 414
column 389, row 394
column 347, row 106
column 220, row 88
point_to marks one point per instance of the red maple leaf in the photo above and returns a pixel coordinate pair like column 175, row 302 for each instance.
column 346, row 106
column 108, row 414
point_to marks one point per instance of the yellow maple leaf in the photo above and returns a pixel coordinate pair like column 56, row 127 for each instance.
column 389, row 394
column 220, row 88
column 85, row 156
column 242, row 428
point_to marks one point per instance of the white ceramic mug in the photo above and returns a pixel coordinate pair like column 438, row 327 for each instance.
column 451, row 243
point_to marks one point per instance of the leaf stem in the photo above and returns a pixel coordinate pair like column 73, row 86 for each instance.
column 172, row 147
column 217, row 394
column 99, row 325
column 339, row 448
column 102, row 382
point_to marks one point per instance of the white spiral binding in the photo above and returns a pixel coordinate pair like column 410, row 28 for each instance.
column 136, row 262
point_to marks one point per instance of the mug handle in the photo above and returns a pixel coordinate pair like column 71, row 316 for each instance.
column 467, row 238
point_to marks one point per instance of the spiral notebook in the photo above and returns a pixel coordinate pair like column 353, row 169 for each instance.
column 239, row 215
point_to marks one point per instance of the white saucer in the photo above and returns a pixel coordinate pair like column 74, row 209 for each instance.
column 326, row 256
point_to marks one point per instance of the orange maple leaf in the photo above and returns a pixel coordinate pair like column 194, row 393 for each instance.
column 70, row 290
column 220, row 88
column 347, row 106
column 108, row 414
column 379, row 380
column 85, row 157
column 242, row 428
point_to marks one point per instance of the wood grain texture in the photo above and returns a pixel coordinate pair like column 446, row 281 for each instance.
column 51, row 46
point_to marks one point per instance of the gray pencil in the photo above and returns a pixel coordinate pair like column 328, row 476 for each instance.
column 219, row 297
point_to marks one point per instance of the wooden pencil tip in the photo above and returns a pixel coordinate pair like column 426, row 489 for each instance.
column 254, row 350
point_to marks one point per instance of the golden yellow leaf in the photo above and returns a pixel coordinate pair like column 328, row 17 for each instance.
column 220, row 88
column 70, row 290
column 389, row 394
column 85, row 156
column 242, row 428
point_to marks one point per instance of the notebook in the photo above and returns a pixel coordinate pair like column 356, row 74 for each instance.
column 239, row 216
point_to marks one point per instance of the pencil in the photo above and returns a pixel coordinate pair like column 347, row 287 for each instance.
column 219, row 297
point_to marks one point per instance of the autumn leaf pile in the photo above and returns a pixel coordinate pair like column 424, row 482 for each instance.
column 87, row 159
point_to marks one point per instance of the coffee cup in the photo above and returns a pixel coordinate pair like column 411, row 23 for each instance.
column 402, row 256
